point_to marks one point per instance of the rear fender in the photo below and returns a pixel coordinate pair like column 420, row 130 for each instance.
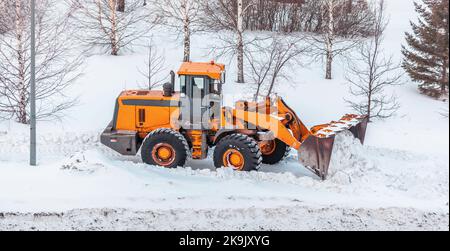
column 225, row 132
column 123, row 142
column 221, row 134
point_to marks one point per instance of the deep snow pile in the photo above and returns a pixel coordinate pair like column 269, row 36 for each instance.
column 349, row 160
column 88, row 175
column 368, row 189
column 378, row 169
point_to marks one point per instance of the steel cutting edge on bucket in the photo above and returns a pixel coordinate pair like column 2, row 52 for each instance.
column 315, row 154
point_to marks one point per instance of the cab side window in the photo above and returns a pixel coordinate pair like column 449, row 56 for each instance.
column 198, row 86
column 182, row 86
column 214, row 87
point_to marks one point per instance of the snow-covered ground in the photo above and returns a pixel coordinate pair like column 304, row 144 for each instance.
column 398, row 181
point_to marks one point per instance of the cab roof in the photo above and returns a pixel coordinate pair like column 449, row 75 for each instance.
column 210, row 69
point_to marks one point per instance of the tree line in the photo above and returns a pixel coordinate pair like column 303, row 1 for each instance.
column 293, row 30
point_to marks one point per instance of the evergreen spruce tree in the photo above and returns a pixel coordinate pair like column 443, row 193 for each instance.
column 426, row 59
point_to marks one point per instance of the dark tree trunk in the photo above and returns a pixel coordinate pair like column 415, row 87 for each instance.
column 121, row 5
column 444, row 83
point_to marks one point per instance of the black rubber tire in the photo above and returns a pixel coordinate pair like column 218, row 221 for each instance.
column 168, row 136
column 247, row 146
column 281, row 152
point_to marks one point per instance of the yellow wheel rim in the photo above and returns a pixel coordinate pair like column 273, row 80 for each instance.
column 234, row 159
column 163, row 154
column 267, row 147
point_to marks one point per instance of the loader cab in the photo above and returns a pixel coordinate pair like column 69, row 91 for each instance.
column 200, row 88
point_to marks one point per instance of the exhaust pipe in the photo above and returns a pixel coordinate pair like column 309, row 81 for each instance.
column 172, row 79
column 169, row 88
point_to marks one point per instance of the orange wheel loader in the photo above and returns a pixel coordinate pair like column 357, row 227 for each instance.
column 187, row 119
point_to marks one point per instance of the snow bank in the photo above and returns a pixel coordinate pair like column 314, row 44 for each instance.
column 349, row 160
column 88, row 161
column 359, row 176
column 293, row 218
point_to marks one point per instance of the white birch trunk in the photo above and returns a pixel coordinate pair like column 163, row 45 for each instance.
column 187, row 31
column 240, row 42
column 113, row 34
column 329, row 38
column 22, row 88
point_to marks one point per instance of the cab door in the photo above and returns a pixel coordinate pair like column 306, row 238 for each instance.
column 213, row 100
column 193, row 89
column 198, row 105
column 201, row 101
column 185, row 102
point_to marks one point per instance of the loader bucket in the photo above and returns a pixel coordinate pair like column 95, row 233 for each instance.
column 359, row 130
column 315, row 154
column 316, row 151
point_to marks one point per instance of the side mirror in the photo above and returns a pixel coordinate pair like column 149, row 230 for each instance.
column 223, row 77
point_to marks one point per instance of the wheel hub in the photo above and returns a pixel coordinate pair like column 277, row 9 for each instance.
column 267, row 147
column 163, row 154
column 233, row 158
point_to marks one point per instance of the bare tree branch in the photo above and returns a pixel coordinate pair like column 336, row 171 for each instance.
column 183, row 16
column 102, row 25
column 155, row 66
column 269, row 59
column 228, row 20
column 331, row 42
column 57, row 66
column 372, row 73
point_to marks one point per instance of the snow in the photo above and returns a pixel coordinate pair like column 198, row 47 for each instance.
column 283, row 218
column 399, row 180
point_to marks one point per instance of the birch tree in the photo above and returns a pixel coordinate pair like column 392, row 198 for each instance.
column 328, row 44
column 103, row 24
column 229, row 20
column 372, row 73
column 240, row 41
column 329, row 36
column 57, row 66
column 183, row 16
